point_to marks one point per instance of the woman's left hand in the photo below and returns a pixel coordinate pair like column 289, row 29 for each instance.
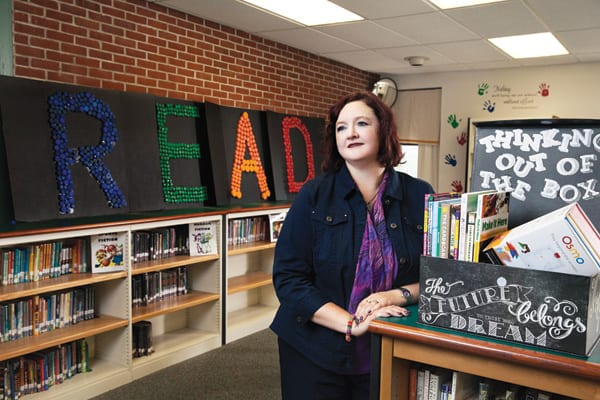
column 380, row 304
column 381, row 311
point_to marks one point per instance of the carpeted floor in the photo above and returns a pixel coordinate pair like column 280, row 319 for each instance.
column 245, row 369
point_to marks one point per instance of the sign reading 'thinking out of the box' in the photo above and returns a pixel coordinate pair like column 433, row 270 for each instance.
column 545, row 164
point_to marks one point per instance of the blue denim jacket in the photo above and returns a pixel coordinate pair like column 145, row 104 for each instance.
column 317, row 252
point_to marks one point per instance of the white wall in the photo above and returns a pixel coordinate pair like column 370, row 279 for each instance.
column 573, row 91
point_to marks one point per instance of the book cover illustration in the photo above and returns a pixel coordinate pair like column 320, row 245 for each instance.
column 551, row 242
column 203, row 238
column 108, row 252
column 491, row 218
column 276, row 223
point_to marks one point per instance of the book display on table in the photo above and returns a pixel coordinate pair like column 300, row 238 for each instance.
column 539, row 286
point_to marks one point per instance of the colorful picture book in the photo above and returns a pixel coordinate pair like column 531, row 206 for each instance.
column 491, row 218
column 203, row 238
column 275, row 224
column 563, row 240
column 108, row 252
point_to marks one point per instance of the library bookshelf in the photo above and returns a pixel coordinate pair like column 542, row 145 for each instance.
column 107, row 335
column 250, row 302
column 183, row 326
column 401, row 342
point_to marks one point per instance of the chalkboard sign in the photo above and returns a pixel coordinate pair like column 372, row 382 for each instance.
column 546, row 164
column 519, row 305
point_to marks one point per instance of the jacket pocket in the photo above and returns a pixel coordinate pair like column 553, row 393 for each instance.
column 331, row 235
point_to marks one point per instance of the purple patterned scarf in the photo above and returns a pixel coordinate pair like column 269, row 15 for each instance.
column 377, row 265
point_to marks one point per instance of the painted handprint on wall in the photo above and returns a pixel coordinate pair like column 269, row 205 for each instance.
column 450, row 159
column 482, row 89
column 489, row 106
column 453, row 121
column 544, row 90
column 462, row 138
column 457, row 186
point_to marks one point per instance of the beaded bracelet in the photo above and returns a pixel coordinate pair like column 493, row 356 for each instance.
column 349, row 328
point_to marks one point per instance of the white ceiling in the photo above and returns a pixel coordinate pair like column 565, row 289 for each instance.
column 453, row 40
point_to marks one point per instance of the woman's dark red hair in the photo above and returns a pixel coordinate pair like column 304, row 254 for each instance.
column 390, row 150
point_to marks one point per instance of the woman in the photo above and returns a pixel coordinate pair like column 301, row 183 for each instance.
column 348, row 252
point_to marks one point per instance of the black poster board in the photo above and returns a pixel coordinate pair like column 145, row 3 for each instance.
column 294, row 144
column 69, row 152
column 34, row 113
column 546, row 164
column 225, row 127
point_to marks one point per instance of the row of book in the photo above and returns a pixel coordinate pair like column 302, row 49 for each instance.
column 43, row 261
column 436, row 383
column 103, row 252
column 157, row 244
column 152, row 287
column 456, row 225
column 39, row 371
column 473, row 226
column 43, row 313
column 242, row 231
column 142, row 339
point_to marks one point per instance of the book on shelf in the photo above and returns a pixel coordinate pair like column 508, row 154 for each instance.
column 108, row 252
column 491, row 218
column 431, row 220
column 247, row 230
column 438, row 378
column 463, row 386
column 412, row 382
column 275, row 224
column 142, row 339
column 203, row 238
column 467, row 246
column 420, row 383
column 41, row 261
column 484, row 390
column 468, row 203
column 446, row 209
column 39, row 371
column 426, row 378
column 453, row 231
column 563, row 240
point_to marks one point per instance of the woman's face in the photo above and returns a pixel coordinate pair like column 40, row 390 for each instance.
column 357, row 133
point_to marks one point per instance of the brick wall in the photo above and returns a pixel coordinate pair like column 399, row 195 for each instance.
column 144, row 47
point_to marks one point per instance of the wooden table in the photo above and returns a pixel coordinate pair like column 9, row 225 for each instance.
column 399, row 341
